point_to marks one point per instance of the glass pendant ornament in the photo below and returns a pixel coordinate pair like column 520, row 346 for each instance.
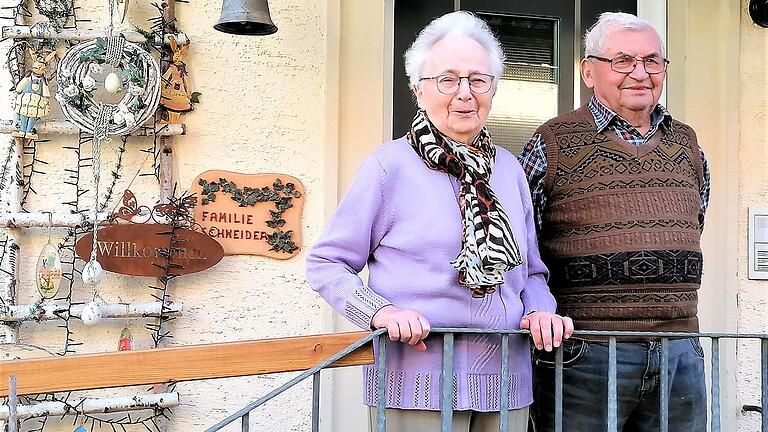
column 48, row 271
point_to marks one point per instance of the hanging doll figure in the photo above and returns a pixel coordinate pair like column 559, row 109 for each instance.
column 175, row 95
column 32, row 95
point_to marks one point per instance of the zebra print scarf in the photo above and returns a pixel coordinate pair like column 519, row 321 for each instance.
column 488, row 245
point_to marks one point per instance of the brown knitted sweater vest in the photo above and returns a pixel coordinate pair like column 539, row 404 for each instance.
column 621, row 230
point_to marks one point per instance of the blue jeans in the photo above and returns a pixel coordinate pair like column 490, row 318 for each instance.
column 585, row 387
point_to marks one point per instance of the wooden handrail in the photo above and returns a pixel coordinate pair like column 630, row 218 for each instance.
column 185, row 363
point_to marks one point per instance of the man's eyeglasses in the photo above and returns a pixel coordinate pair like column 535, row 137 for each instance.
column 626, row 64
column 479, row 83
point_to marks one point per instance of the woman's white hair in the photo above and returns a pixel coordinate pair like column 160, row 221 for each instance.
column 594, row 39
column 460, row 23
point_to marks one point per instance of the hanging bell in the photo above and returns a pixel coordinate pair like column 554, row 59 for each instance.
column 758, row 11
column 245, row 17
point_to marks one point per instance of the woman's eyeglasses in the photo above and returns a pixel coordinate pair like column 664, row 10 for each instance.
column 479, row 83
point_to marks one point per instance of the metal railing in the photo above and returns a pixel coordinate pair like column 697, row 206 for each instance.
column 243, row 414
column 446, row 411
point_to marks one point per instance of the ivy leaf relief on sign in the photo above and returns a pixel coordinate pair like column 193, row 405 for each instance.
column 281, row 194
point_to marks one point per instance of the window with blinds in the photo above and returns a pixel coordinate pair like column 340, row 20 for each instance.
column 527, row 93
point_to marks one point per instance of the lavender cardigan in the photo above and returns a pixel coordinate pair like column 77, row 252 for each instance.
column 403, row 220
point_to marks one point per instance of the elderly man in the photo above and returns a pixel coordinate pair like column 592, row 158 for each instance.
column 619, row 191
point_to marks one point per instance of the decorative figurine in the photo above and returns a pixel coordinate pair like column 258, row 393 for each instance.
column 126, row 340
column 32, row 98
column 175, row 95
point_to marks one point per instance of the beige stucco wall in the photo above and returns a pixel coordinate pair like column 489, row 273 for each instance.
column 268, row 106
column 752, row 192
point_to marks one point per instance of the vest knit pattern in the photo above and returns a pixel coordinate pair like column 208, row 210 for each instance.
column 621, row 234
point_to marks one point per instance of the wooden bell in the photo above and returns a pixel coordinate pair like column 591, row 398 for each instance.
column 245, row 17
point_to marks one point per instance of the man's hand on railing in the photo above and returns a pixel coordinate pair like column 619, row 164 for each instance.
column 404, row 325
column 547, row 329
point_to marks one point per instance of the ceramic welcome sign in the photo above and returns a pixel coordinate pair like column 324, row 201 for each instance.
column 251, row 214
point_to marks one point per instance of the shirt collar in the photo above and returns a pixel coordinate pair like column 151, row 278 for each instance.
column 604, row 115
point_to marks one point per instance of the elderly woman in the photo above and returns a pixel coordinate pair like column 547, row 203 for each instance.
column 443, row 220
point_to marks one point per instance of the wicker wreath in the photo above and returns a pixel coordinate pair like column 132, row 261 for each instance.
column 139, row 76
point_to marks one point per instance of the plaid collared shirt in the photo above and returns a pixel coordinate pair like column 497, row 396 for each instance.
column 533, row 158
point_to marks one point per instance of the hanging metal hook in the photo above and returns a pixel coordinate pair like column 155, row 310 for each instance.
column 50, row 225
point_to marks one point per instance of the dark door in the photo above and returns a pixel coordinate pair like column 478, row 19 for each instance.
column 539, row 39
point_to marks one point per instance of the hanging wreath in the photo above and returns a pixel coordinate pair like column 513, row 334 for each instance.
column 135, row 73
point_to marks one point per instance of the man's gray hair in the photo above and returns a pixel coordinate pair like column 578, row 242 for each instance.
column 460, row 23
column 594, row 39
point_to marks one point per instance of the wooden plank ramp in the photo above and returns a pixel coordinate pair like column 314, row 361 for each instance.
column 183, row 363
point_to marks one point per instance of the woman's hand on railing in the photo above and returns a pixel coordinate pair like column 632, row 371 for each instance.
column 547, row 329
column 404, row 325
